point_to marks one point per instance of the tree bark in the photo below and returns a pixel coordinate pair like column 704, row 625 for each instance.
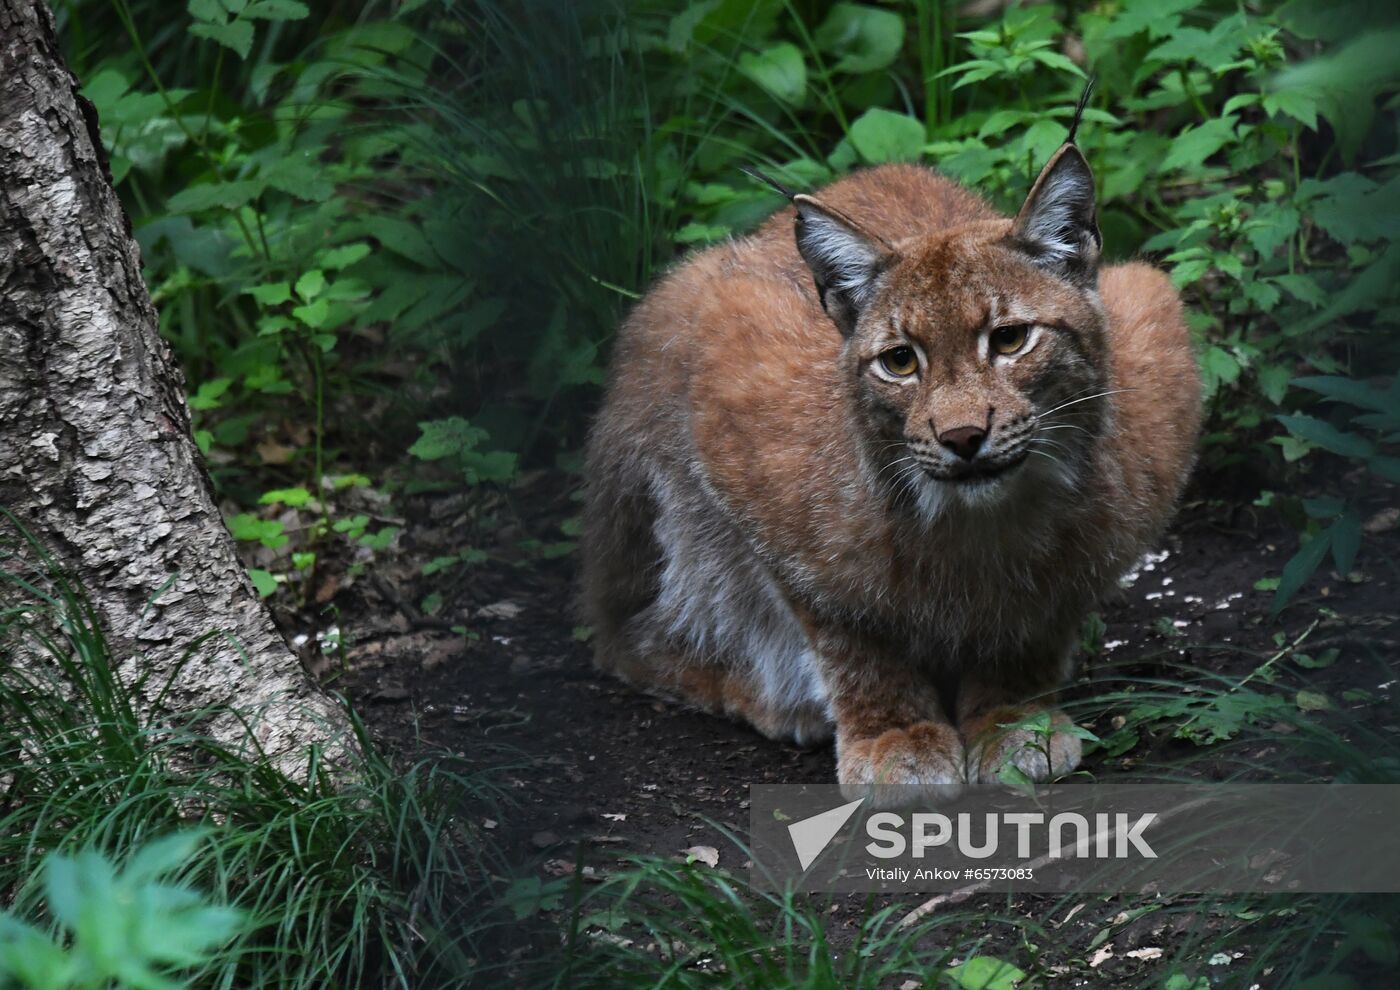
column 96, row 454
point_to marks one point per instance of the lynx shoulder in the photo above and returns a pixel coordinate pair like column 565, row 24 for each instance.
column 864, row 472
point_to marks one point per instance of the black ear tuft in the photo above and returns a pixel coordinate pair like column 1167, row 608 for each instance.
column 1058, row 224
column 768, row 180
column 1079, row 109
column 845, row 260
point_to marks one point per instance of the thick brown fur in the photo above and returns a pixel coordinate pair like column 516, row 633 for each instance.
column 779, row 530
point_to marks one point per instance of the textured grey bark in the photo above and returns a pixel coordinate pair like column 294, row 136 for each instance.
column 96, row 455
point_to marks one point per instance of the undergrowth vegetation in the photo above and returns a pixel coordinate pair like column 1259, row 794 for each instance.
column 390, row 244
column 154, row 848
column 368, row 217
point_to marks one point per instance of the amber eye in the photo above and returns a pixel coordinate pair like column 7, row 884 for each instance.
column 900, row 361
column 1009, row 340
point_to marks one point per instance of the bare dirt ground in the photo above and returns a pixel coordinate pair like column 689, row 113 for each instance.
column 604, row 771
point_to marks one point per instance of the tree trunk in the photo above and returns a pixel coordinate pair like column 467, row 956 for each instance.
column 96, row 454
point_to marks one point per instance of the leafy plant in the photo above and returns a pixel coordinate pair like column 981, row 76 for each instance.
column 368, row 877
column 1334, row 524
column 131, row 928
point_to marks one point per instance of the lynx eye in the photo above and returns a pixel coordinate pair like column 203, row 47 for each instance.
column 901, row 362
column 1009, row 340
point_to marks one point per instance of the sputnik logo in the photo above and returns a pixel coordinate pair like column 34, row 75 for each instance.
column 811, row 835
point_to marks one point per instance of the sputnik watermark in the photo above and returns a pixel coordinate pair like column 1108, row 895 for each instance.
column 1099, row 837
column 893, row 835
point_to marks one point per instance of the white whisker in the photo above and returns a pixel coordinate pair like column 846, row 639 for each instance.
column 1096, row 395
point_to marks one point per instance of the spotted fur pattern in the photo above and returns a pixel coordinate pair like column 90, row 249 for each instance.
column 777, row 527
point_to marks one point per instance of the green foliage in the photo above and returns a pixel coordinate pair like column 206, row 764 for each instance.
column 455, row 441
column 984, row 973
column 333, row 212
column 658, row 923
column 368, row 878
column 129, row 928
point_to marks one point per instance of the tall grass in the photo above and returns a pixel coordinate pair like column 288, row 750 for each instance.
column 371, row 877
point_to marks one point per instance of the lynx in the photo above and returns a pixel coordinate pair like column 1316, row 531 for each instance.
column 869, row 480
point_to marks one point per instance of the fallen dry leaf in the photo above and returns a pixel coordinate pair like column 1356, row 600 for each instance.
column 327, row 589
column 615, row 816
column 708, row 855
column 270, row 452
column 1150, row 952
column 1104, row 953
column 1383, row 521
column 500, row 610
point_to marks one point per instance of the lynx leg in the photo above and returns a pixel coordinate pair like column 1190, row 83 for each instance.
column 719, row 690
column 894, row 741
column 1000, row 730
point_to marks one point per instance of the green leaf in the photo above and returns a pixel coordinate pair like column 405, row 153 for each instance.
column 1221, row 367
column 1340, row 388
column 299, row 174
column 313, row 314
column 291, row 497
column 1055, row 60
column 1346, row 541
column 1194, row 145
column 207, row 10
column 164, row 855
column 1156, row 17
column 440, row 564
column 986, row 973
column 449, row 437
column 1304, row 288
column 701, row 233
column 1273, row 382
column 209, row 393
column 864, row 39
column 277, row 10
column 1312, row 701
column 1016, row 779
column 1296, row 103
column 1301, row 567
column 214, row 195
column 236, row 35
column 1002, row 121
column 344, row 256
column 403, row 238
column 1327, row 436
column 381, row 540
column 264, row 582
column 1366, row 215
column 881, row 135
column 780, row 70
column 1271, row 228
column 310, row 285
column 271, row 294
column 248, row 527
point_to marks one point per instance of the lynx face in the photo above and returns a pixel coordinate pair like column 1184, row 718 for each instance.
column 968, row 349
column 963, row 386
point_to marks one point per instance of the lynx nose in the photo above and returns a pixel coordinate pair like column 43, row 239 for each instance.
column 964, row 441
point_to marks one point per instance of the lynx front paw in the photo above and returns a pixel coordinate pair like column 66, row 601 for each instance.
column 922, row 761
column 1021, row 738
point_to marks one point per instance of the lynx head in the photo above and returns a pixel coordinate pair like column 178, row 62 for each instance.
column 976, row 353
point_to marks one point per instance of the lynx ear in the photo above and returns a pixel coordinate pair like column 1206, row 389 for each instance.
column 845, row 260
column 1057, row 224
